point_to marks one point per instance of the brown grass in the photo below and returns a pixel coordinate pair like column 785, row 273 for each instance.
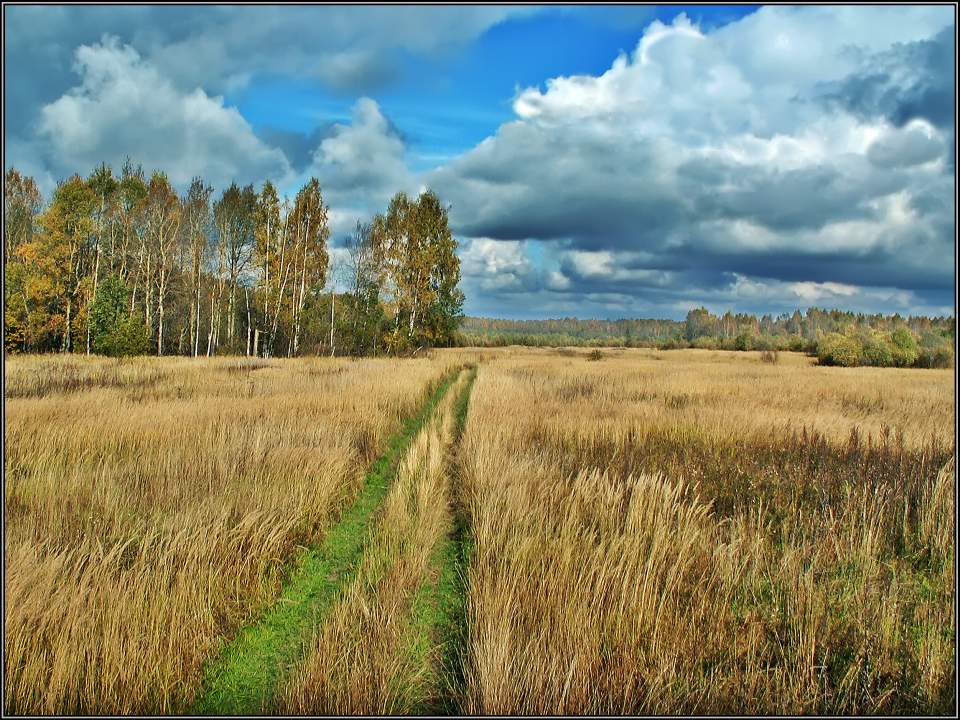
column 660, row 532
column 151, row 506
column 712, row 535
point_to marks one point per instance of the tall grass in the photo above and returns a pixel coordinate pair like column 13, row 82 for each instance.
column 152, row 505
column 684, row 532
column 636, row 554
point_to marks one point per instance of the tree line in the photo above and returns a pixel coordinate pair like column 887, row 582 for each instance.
column 557, row 332
column 837, row 337
column 123, row 264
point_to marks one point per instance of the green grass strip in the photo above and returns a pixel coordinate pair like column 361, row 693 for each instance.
column 243, row 679
column 439, row 610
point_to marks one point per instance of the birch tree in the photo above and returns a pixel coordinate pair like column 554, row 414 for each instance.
column 309, row 220
column 69, row 223
column 196, row 229
column 272, row 258
column 104, row 186
column 234, row 217
column 164, row 215
column 21, row 204
column 419, row 268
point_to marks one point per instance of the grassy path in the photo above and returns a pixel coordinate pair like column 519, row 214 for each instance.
column 244, row 677
column 440, row 608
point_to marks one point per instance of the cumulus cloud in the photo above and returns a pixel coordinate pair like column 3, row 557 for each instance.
column 915, row 144
column 124, row 106
column 497, row 266
column 800, row 155
column 350, row 49
column 705, row 156
column 360, row 165
column 908, row 80
column 367, row 154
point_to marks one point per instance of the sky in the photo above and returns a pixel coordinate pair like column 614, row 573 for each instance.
column 598, row 161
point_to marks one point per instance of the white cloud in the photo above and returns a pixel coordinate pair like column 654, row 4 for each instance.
column 817, row 291
column 613, row 267
column 705, row 154
column 915, row 144
column 124, row 106
column 360, row 165
column 366, row 155
column 496, row 266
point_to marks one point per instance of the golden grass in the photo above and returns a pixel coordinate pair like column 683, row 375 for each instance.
column 151, row 506
column 724, row 394
column 655, row 536
column 654, row 532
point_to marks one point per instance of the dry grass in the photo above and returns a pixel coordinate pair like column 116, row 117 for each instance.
column 151, row 506
column 722, row 394
column 657, row 532
column 370, row 656
column 706, row 533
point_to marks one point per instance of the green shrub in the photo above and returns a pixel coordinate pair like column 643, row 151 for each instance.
column 113, row 332
column 904, row 347
column 796, row 343
column 876, row 352
column 936, row 357
column 943, row 357
column 837, row 349
column 128, row 337
column 705, row 342
column 930, row 340
column 765, row 342
column 744, row 341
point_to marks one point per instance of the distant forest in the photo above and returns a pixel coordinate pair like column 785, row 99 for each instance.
column 837, row 337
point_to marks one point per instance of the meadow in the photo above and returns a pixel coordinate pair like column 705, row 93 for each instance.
column 507, row 530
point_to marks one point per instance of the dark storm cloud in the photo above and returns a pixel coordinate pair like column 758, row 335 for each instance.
column 908, row 81
column 905, row 148
column 297, row 146
column 788, row 200
column 561, row 183
column 880, row 267
column 665, row 192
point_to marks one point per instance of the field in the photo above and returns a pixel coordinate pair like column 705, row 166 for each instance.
column 514, row 531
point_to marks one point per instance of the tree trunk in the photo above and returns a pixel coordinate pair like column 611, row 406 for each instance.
column 296, row 326
column 246, row 294
column 96, row 277
column 148, row 297
column 66, row 336
column 333, row 300
column 196, row 339
column 210, row 334
column 193, row 317
column 231, row 311
column 160, row 327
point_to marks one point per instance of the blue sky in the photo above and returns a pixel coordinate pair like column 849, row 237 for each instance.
column 446, row 105
column 615, row 161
